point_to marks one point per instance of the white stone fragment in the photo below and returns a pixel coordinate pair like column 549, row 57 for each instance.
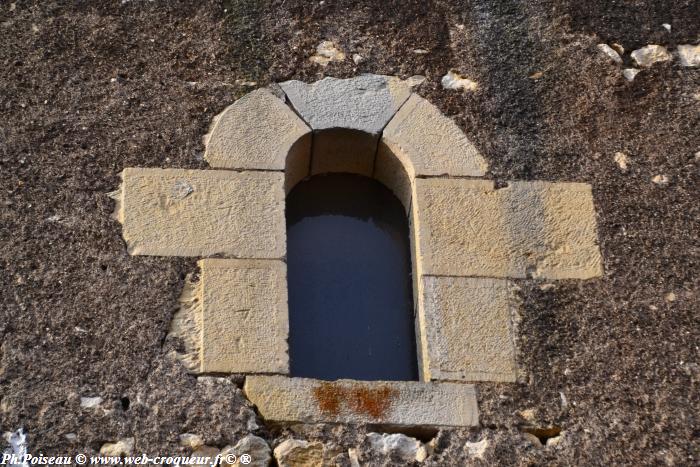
column 689, row 55
column 357, row 59
column 476, row 449
column 254, row 446
column 453, row 80
column 191, row 440
column 622, row 161
column 647, row 56
column 661, row 180
column 123, row 447
column 610, row 52
column 299, row 453
column 326, row 52
column 630, row 73
column 399, row 445
column 666, row 26
column 90, row 402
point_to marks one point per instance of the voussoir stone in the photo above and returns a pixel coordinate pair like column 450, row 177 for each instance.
column 399, row 403
column 258, row 131
column 243, row 316
column 427, row 143
column 466, row 329
column 177, row 212
column 366, row 102
column 527, row 229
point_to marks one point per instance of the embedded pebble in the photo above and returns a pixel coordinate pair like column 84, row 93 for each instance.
column 477, row 448
column 123, row 447
column 610, row 52
column 630, row 73
column 406, row 448
column 622, row 161
column 661, row 180
column 453, row 80
column 647, row 56
column 689, row 54
column 90, row 402
column 296, row 453
column 191, row 440
column 326, row 52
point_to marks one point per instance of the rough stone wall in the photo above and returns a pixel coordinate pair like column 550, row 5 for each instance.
column 90, row 88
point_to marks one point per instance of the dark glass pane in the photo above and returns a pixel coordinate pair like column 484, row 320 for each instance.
column 349, row 275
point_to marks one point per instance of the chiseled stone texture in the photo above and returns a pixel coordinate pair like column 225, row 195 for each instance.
column 343, row 150
column 244, row 316
column 258, row 131
column 366, row 102
column 429, row 143
column 175, row 212
column 467, row 329
column 398, row 403
column 527, row 229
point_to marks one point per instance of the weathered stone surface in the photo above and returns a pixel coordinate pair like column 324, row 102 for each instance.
column 299, row 453
column 466, row 329
column 401, row 403
column 256, row 447
column 428, row 143
column 650, row 54
column 366, row 102
column 186, row 325
column 342, row 150
column 174, row 212
column 539, row 229
column 258, row 131
column 123, row 447
column 455, row 81
column 689, row 54
column 610, row 52
column 398, row 445
column 244, row 316
column 326, row 52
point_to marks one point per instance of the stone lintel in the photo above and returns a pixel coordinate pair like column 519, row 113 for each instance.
column 466, row 331
column 258, row 131
column 428, row 143
column 177, row 212
column 468, row 227
column 244, row 318
column 398, row 403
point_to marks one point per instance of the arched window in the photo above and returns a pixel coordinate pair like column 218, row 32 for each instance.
column 349, row 281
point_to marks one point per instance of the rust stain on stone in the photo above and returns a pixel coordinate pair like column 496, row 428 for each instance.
column 374, row 402
column 329, row 397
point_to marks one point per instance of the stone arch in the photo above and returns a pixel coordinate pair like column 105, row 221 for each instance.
column 470, row 240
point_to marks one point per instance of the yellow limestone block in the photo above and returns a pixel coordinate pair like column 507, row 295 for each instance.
column 244, row 319
column 466, row 329
column 258, row 131
column 397, row 403
column 428, row 143
column 528, row 229
column 174, row 212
